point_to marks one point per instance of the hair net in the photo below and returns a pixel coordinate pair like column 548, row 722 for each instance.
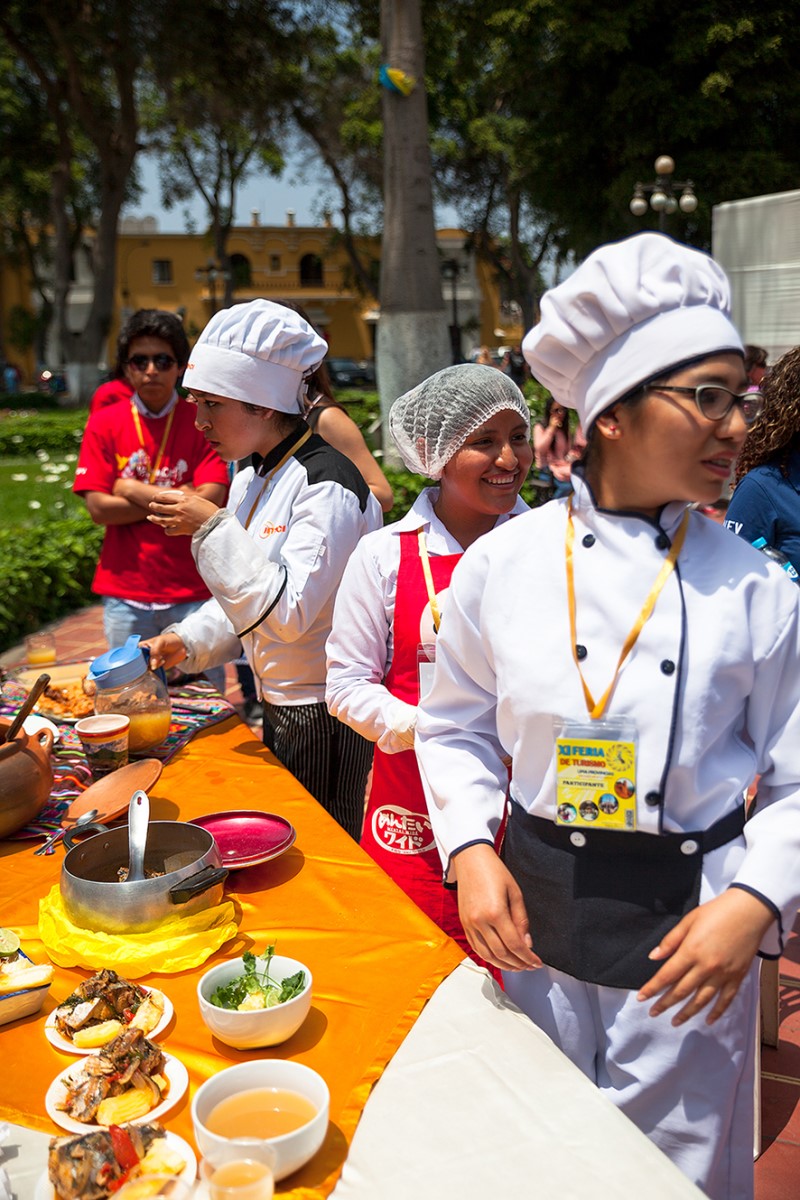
column 432, row 421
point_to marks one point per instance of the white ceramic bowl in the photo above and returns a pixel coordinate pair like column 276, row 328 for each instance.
column 262, row 1026
column 292, row 1150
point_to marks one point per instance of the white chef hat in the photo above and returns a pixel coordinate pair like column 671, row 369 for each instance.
column 632, row 310
column 258, row 352
column 432, row 421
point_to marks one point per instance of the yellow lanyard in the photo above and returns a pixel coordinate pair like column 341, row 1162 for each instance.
column 151, row 478
column 597, row 708
column 426, row 571
column 292, row 450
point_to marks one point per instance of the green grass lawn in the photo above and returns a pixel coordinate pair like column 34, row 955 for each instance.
column 34, row 489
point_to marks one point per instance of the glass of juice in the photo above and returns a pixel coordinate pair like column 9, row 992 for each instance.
column 40, row 649
column 242, row 1169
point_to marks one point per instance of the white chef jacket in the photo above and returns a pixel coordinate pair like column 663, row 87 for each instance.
column 361, row 645
column 274, row 583
column 712, row 684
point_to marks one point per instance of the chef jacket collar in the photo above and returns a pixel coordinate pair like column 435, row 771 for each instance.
column 421, row 514
column 264, row 464
column 667, row 521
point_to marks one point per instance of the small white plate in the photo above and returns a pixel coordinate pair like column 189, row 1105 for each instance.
column 45, row 1190
column 34, row 723
column 56, row 1094
column 67, row 1047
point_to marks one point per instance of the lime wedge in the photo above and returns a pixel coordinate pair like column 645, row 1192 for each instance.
column 9, row 943
column 272, row 997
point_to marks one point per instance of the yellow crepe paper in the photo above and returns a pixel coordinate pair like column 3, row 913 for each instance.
column 176, row 945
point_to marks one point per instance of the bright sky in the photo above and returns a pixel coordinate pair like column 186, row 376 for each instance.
column 272, row 197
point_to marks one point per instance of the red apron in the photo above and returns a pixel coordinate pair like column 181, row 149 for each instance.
column 397, row 829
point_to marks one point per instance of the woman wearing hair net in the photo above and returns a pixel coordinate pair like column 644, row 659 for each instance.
column 630, row 899
column 468, row 428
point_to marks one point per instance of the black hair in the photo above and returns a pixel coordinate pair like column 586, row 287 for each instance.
column 754, row 356
column 153, row 322
column 548, row 408
column 319, row 381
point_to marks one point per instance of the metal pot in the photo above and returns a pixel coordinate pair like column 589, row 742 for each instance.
column 192, row 880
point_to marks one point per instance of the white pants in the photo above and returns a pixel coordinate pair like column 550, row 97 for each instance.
column 689, row 1089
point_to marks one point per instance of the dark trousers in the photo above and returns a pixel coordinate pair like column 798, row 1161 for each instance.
column 329, row 758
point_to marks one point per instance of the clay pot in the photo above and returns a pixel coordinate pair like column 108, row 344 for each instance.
column 26, row 776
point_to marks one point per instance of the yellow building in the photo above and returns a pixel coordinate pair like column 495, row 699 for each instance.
column 307, row 265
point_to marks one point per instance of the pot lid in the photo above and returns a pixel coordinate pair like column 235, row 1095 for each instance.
column 122, row 665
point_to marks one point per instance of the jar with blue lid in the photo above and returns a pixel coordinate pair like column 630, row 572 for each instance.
column 125, row 684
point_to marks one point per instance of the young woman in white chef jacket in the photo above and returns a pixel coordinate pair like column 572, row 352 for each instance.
column 629, row 900
column 468, row 429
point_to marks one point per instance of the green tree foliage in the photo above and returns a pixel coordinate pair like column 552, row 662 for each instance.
column 570, row 102
column 221, row 111
column 84, row 59
column 337, row 112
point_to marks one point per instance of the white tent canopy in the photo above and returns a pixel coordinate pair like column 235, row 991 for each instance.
column 757, row 242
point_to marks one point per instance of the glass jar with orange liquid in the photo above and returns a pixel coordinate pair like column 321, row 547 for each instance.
column 125, row 684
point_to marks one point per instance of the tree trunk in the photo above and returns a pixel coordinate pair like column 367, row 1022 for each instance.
column 62, row 258
column 412, row 339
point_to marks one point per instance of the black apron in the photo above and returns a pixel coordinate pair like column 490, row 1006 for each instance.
column 599, row 901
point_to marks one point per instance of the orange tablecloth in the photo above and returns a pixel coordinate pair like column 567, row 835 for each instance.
column 374, row 956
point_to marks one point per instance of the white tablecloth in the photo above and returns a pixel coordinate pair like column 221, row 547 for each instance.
column 477, row 1102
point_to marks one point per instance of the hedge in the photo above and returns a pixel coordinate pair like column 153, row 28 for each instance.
column 46, row 572
column 22, row 434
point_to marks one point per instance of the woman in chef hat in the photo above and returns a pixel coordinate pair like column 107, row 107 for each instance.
column 672, row 661
column 467, row 428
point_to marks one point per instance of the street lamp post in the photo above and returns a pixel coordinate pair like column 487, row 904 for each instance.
column 662, row 193
column 451, row 268
column 209, row 275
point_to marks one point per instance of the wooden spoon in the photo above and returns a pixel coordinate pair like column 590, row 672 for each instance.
column 27, row 707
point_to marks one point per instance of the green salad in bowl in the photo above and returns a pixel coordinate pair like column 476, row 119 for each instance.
column 253, row 989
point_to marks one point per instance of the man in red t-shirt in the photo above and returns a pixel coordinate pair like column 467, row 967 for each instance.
column 130, row 451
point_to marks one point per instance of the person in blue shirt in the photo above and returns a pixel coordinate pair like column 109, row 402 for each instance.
column 766, row 501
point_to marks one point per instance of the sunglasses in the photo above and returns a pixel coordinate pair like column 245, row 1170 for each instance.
column 715, row 402
column 161, row 362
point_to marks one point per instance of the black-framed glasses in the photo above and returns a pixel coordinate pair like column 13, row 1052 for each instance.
column 715, row 402
column 161, row 362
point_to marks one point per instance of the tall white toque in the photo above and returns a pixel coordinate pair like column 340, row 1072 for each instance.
column 260, row 353
column 631, row 311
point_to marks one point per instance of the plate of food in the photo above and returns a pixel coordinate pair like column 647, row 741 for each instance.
column 99, row 1010
column 129, row 1080
column 65, row 702
column 64, row 699
column 23, row 984
column 246, row 837
column 96, row 1164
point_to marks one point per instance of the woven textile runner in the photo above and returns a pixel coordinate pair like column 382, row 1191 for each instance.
column 195, row 706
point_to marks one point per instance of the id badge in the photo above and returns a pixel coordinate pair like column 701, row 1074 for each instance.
column 596, row 774
column 426, row 661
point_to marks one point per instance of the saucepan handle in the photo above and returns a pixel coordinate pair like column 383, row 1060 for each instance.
column 195, row 885
column 73, row 836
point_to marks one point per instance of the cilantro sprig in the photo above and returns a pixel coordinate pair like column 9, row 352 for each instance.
column 256, row 978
